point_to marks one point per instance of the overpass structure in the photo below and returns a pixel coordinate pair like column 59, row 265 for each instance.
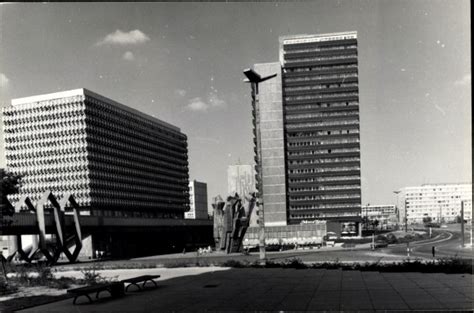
column 58, row 227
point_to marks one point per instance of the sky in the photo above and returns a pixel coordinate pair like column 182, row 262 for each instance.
column 183, row 62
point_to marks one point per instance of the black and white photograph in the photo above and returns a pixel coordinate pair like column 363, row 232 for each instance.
column 282, row 156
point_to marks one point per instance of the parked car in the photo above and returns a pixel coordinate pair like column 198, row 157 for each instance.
column 379, row 244
column 330, row 243
column 330, row 236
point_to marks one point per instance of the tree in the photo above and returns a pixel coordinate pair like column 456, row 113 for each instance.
column 427, row 219
column 9, row 184
column 375, row 223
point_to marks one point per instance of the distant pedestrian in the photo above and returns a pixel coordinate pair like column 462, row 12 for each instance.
column 433, row 251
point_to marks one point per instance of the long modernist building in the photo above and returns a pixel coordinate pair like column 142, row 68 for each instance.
column 309, row 119
column 115, row 160
column 440, row 202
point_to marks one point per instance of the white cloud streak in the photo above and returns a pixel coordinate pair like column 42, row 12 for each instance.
column 180, row 92
column 213, row 102
column 133, row 37
column 3, row 80
column 464, row 81
column 128, row 56
column 196, row 104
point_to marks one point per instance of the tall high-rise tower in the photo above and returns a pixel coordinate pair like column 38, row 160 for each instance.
column 311, row 149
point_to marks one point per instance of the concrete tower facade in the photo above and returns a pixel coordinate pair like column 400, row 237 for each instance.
column 309, row 118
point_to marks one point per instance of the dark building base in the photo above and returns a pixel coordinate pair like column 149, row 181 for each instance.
column 160, row 241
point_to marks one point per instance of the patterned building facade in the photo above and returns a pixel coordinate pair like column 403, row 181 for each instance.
column 115, row 160
column 310, row 131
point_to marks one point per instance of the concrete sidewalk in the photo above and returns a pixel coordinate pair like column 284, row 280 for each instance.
column 270, row 289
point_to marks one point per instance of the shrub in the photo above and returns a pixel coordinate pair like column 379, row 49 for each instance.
column 391, row 238
column 294, row 263
column 91, row 276
column 233, row 263
column 31, row 275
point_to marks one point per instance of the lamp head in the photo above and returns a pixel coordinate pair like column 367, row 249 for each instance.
column 254, row 77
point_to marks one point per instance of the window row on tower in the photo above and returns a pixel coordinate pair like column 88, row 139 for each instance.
column 321, row 77
column 113, row 114
column 318, row 123
column 102, row 135
column 324, row 189
column 113, row 165
column 108, row 154
column 312, row 57
column 322, row 114
column 324, row 161
column 323, row 169
column 316, row 206
column 129, row 160
column 299, row 48
column 317, row 69
column 321, row 96
column 305, row 180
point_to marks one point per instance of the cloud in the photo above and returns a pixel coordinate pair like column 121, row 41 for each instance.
column 3, row 80
column 128, row 56
column 197, row 104
column 133, row 37
column 213, row 101
column 180, row 92
column 464, row 81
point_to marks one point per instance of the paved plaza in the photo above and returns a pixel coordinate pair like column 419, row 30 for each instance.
column 277, row 289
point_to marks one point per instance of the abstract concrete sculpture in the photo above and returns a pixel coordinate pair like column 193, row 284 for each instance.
column 40, row 244
column 231, row 220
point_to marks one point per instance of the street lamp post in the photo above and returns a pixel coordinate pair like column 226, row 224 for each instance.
column 462, row 222
column 254, row 79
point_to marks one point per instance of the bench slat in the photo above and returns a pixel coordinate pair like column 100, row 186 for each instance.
column 140, row 278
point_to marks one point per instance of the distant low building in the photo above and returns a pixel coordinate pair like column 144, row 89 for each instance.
column 197, row 201
column 386, row 215
column 240, row 179
column 439, row 203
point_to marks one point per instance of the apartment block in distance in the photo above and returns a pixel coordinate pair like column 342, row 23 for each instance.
column 440, row 202
column 198, row 201
column 310, row 135
column 115, row 160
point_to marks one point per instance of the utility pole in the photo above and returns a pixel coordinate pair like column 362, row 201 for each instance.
column 462, row 222
column 254, row 78
column 406, row 216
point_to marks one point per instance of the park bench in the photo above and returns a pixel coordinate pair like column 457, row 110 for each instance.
column 144, row 278
column 114, row 288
